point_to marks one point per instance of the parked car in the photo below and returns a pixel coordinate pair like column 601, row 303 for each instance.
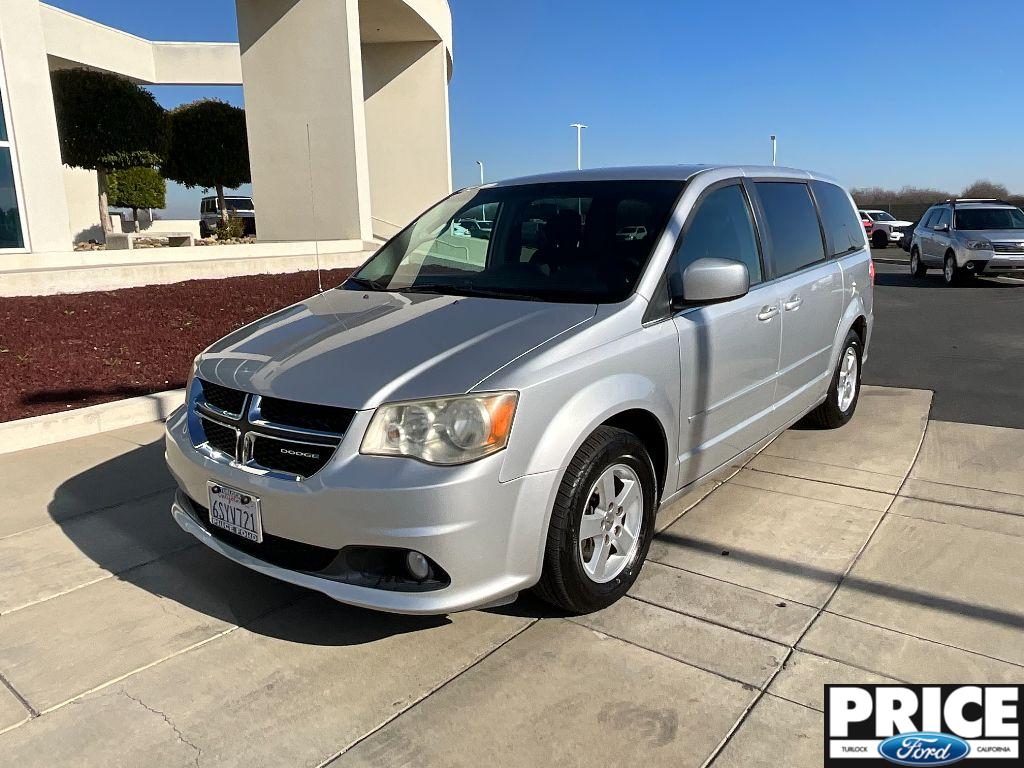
column 635, row 232
column 908, row 237
column 969, row 237
column 885, row 228
column 477, row 228
column 432, row 436
column 238, row 207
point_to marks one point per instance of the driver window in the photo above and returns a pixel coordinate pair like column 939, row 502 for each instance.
column 944, row 218
column 723, row 228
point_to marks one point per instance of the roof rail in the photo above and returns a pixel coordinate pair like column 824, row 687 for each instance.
column 954, row 200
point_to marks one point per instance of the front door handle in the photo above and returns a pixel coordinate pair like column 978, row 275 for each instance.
column 793, row 303
column 768, row 312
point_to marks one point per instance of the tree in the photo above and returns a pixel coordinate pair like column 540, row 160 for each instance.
column 136, row 188
column 208, row 148
column 986, row 188
column 107, row 123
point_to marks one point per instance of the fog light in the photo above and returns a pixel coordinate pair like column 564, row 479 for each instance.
column 418, row 566
column 969, row 265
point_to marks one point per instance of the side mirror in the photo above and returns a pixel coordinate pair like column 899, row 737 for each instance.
column 942, row 227
column 709, row 281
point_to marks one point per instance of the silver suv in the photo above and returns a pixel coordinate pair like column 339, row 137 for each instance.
column 469, row 416
column 966, row 238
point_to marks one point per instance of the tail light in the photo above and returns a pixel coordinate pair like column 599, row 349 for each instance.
column 871, row 271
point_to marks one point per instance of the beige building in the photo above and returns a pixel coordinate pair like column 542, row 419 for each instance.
column 346, row 104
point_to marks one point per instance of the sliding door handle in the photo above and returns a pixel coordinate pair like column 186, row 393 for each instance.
column 793, row 303
column 768, row 312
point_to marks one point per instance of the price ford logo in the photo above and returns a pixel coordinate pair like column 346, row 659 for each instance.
column 923, row 725
column 924, row 749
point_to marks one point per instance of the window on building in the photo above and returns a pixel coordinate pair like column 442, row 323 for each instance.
column 792, row 225
column 11, row 232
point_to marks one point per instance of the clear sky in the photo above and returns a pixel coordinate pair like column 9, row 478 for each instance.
column 901, row 92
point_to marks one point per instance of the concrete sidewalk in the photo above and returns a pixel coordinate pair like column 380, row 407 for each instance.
column 889, row 550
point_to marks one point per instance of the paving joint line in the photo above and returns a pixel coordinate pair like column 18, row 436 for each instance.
column 84, row 513
column 849, row 569
column 109, row 575
column 733, row 583
column 425, row 696
column 813, row 498
column 843, row 466
column 958, row 525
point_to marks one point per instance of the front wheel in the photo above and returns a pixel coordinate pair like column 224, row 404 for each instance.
column 844, row 391
column 601, row 524
column 951, row 273
column 917, row 268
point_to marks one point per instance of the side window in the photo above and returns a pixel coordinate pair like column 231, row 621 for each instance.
column 843, row 229
column 723, row 228
column 929, row 217
column 944, row 218
column 793, row 227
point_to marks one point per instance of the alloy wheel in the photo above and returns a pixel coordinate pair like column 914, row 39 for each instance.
column 611, row 524
column 847, row 387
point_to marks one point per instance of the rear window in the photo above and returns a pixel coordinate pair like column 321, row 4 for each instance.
column 793, row 228
column 989, row 218
column 844, row 231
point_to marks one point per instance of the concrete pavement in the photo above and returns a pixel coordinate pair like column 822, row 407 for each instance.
column 886, row 551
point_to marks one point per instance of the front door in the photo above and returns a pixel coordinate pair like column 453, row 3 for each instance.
column 729, row 352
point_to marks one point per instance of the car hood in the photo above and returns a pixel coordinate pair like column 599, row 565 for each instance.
column 995, row 235
column 358, row 349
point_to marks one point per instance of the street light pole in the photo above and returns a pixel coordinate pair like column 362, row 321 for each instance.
column 773, row 149
column 481, row 164
column 579, row 144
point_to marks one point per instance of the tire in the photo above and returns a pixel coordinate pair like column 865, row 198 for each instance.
column 567, row 581
column 951, row 273
column 204, row 230
column 832, row 413
column 879, row 239
column 917, row 267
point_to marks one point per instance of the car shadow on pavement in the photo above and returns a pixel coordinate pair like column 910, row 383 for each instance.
column 898, row 280
column 141, row 545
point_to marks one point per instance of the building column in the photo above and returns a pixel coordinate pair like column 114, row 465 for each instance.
column 34, row 126
column 410, row 160
column 302, row 65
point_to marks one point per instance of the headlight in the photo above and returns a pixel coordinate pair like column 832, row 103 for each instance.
column 451, row 430
column 979, row 245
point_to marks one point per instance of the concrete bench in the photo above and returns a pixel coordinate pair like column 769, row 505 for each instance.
column 126, row 241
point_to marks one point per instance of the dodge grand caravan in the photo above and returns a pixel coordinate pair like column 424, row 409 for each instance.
column 467, row 417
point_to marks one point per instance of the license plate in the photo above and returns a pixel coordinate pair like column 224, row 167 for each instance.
column 235, row 511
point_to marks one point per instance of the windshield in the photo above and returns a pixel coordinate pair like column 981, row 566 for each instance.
column 989, row 218
column 882, row 216
column 546, row 242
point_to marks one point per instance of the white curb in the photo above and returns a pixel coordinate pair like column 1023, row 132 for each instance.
column 81, row 422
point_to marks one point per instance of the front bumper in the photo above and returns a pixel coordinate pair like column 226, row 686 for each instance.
column 486, row 535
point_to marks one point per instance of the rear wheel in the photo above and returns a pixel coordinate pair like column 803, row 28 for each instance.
column 951, row 273
column 844, row 391
column 917, row 268
column 879, row 239
column 601, row 524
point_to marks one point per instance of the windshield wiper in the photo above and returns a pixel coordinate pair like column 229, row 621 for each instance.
column 467, row 290
column 365, row 282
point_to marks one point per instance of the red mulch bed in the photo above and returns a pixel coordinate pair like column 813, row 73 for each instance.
column 69, row 351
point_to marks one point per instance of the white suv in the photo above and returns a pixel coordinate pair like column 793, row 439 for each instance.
column 885, row 228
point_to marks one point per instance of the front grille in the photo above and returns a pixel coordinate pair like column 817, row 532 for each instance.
column 284, row 553
column 322, row 418
column 1008, row 247
column 302, row 459
column 223, row 438
column 265, row 433
column 229, row 401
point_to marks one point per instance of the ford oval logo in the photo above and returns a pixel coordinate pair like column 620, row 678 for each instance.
column 924, row 749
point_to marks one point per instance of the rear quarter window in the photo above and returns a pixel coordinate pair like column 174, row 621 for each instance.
column 792, row 222
column 844, row 231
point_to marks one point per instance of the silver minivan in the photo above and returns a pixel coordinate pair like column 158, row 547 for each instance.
column 466, row 417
